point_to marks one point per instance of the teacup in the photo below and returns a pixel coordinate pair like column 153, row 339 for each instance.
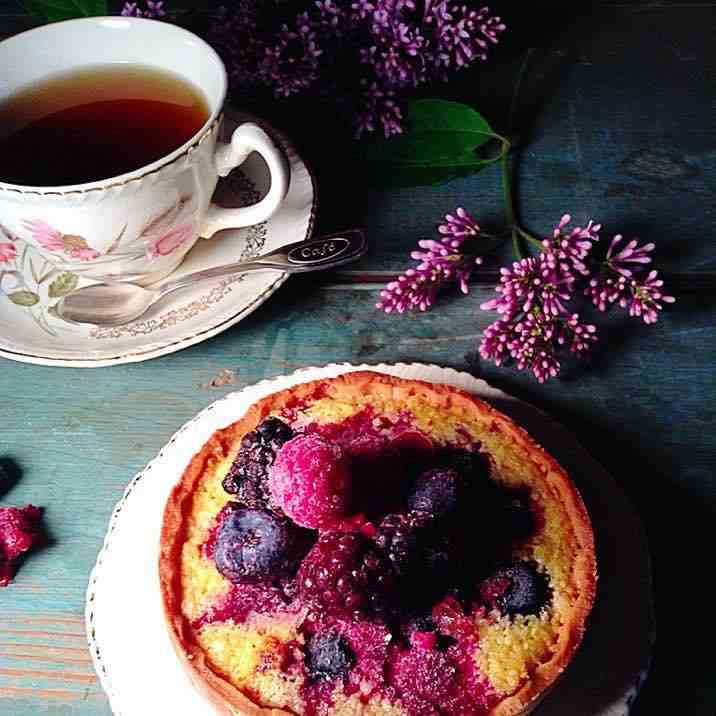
column 137, row 226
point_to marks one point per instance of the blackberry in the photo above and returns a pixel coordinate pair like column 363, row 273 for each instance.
column 274, row 432
column 248, row 475
column 517, row 588
column 437, row 491
column 328, row 655
column 401, row 539
column 345, row 576
column 256, row 545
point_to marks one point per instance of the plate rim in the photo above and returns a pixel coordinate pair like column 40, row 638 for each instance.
column 344, row 367
column 155, row 350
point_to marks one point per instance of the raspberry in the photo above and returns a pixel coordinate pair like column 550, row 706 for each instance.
column 20, row 531
column 255, row 545
column 343, row 575
column 248, row 475
column 401, row 538
column 517, row 588
column 424, row 678
column 437, row 492
column 310, row 482
column 328, row 655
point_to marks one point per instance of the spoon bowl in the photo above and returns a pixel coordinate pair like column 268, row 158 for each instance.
column 119, row 302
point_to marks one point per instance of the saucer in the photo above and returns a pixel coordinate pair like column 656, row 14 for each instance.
column 31, row 332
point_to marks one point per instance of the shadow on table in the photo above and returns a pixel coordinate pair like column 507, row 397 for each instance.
column 10, row 474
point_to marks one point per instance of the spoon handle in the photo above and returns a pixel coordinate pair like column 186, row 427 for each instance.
column 313, row 255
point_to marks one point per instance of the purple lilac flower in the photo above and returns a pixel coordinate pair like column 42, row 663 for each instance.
column 439, row 263
column 368, row 52
column 619, row 282
column 378, row 110
column 290, row 63
column 233, row 36
column 534, row 295
column 461, row 35
column 153, row 9
column 647, row 298
column 632, row 253
column 536, row 324
column 572, row 248
column 541, row 281
column 534, row 340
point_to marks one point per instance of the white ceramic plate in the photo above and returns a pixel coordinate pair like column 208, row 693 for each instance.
column 32, row 334
column 130, row 646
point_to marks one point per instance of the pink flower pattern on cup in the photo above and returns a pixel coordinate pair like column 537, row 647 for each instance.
column 44, row 234
column 169, row 242
column 50, row 239
column 8, row 252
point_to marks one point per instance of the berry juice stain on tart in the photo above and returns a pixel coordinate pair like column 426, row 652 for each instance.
column 367, row 545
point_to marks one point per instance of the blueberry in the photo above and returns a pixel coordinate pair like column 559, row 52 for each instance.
column 517, row 588
column 274, row 432
column 436, row 492
column 328, row 655
column 256, row 545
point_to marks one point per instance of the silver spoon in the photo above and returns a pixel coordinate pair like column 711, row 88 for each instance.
column 112, row 304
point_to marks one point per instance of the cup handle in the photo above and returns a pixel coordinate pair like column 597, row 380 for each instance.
column 247, row 138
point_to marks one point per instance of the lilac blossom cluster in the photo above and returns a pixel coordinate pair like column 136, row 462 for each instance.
column 440, row 262
column 152, row 10
column 537, row 323
column 368, row 54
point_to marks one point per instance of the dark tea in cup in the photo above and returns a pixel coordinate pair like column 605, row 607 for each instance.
column 96, row 123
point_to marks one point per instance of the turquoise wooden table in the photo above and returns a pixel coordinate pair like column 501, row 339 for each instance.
column 617, row 125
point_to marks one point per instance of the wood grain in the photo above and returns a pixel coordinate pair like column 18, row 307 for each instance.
column 616, row 123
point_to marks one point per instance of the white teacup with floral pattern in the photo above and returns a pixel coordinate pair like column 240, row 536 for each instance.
column 137, row 226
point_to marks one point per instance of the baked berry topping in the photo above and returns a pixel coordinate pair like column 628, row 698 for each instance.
column 423, row 678
column 310, row 482
column 401, row 539
column 469, row 464
column 345, row 576
column 436, row 492
column 274, row 432
column 20, row 531
column 257, row 545
column 248, row 475
column 328, row 655
column 517, row 515
column 517, row 588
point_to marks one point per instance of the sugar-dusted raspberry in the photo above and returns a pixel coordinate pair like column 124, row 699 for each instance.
column 20, row 531
column 310, row 482
column 257, row 545
column 345, row 576
column 248, row 475
column 423, row 677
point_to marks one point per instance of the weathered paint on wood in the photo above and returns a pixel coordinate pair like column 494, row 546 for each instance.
column 618, row 126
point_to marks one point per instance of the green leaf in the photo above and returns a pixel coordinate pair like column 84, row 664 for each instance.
column 24, row 298
column 54, row 10
column 440, row 143
column 63, row 284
